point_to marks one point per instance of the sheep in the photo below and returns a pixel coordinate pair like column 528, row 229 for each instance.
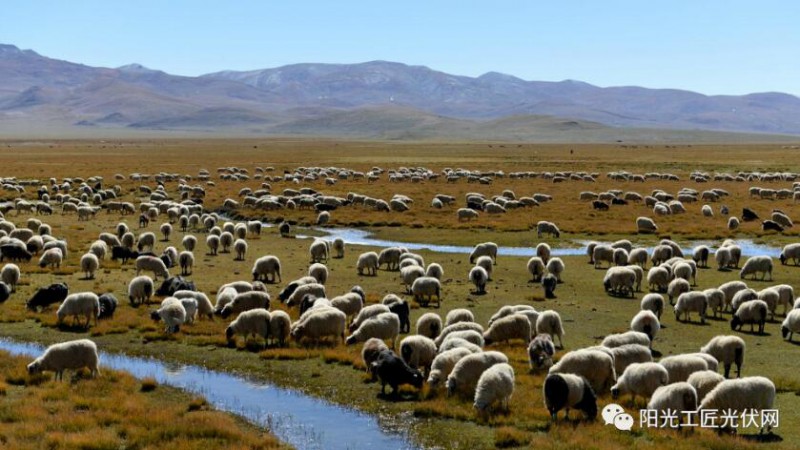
column 443, row 364
column 146, row 240
column 186, row 262
column 204, row 306
column 457, row 327
column 653, row 303
column 467, row 371
column 496, row 384
column 786, row 296
column 629, row 337
column 550, row 228
column 429, row 325
column 350, row 303
column 466, row 214
column 646, row 322
column 383, row 326
column 484, row 249
column 555, row 267
column 677, row 287
column 689, row 302
column 791, row 324
column 240, row 247
column 658, row 279
column 471, row 336
column 741, row 395
column 89, row 265
column 638, row 256
column 318, row 251
column 151, row 263
column 619, row 280
column 728, row 350
column 322, row 323
column 370, row 351
column 731, row 288
column 733, row 223
column 314, row 289
column 661, row 253
column 319, row 272
column 700, row 255
column 172, row 312
column 646, row 225
column 753, row 312
column 704, row 381
column 549, row 322
column 212, row 242
column 536, row 268
column 549, row 284
column 391, row 257
column 392, row 370
column 418, row 352
column 254, row 322
column 707, row 211
column 366, row 313
column 771, row 297
column 640, row 379
column 743, row 296
column 189, row 242
column 681, row 366
column 626, row 355
column 756, row 264
column 10, row 275
column 85, row 304
column 246, row 301
column 51, row 257
column 511, row 309
column 98, row 248
column 410, row 273
column 5, row 292
column 515, row 326
column 790, row 252
column 596, row 366
column 73, row 355
column 478, row 276
column 541, row 351
column 424, row 288
column 458, row 315
column 485, row 262
column 367, row 262
column 565, row 391
column 166, row 231
column 267, row 269
column 676, row 398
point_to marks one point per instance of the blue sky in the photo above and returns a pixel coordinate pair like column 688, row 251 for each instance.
column 714, row 47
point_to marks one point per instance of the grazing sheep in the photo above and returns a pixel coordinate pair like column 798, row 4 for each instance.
column 85, row 304
column 322, row 323
column 466, row 214
column 425, row 288
column 204, row 306
column 172, row 312
column 728, row 350
column 545, row 227
column 10, row 275
column 467, row 371
column 740, row 395
column 434, row 270
column 549, row 322
column 731, row 288
column 596, row 366
column 791, row 324
column 756, row 264
column 186, row 262
column 319, row 272
column 626, row 355
column 645, row 225
column 484, row 249
column 458, row 315
column 392, row 370
column 391, row 257
column 429, row 325
column 383, row 326
column 312, row 288
column 457, row 327
column 370, row 351
column 511, row 309
column 619, row 281
column 704, row 381
column 771, row 297
column 536, row 268
column 51, row 257
column 166, row 231
column 485, row 262
column 189, row 242
column 541, row 351
column 681, row 366
column 640, row 379
column 479, row 277
column 140, row 289
column 267, row 269
column 246, row 301
column 350, row 303
column 733, row 223
column 654, row 303
column 626, row 338
column 677, row 397
column 638, row 256
column 786, row 296
column 745, row 295
column 89, row 265
column 658, row 279
column 661, row 253
column 677, row 287
column 602, row 253
column 790, row 252
column 146, row 240
column 549, row 284
column 646, row 322
column 240, row 247
column 555, row 267
column 368, row 262
column 753, row 312
column 689, row 302
column 418, row 352
column 318, row 251
column 444, row 363
column 98, row 248
column 409, row 274
column 279, row 327
column 700, row 255
column 515, row 326
column 495, row 385
column 72, row 355
column 543, row 251
column 565, row 391
column 254, row 322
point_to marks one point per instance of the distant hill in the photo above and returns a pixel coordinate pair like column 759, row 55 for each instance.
column 377, row 99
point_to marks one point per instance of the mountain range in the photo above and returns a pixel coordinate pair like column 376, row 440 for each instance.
column 376, row 99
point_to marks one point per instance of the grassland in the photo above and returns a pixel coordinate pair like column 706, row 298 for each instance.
column 111, row 412
column 336, row 373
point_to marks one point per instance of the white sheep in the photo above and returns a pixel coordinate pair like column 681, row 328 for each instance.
column 484, row 249
column 350, row 303
column 146, row 241
column 240, row 247
column 676, row 397
column 507, row 310
column 620, row 280
column 458, row 315
column 596, row 366
column 367, row 312
column 409, row 274
column 646, row 225
column 189, row 242
column 186, row 262
column 626, row 355
column 629, row 337
column 204, row 306
column 140, row 289
column 319, row 272
column 653, row 303
column 320, row 324
column 434, row 270
column 478, row 276
column 72, row 355
column 756, row 264
column 418, row 352
column 790, row 252
column 753, row 312
column 267, row 269
column 370, row 352
column 466, row 214
column 467, row 371
column 791, row 324
column 646, row 322
column 51, row 257
column 661, row 253
column 658, row 278
column 429, row 325
column 453, row 341
column 677, row 287
column 728, row 350
column 771, row 297
column 638, row 256
column 495, row 385
column 731, row 288
column 425, row 288
column 153, row 264
column 504, row 329
column 704, row 381
column 212, row 242
column 367, row 262
column 382, row 326
column 457, row 327
column 565, row 391
column 86, row 304
column 318, row 251
column 254, row 322
column 545, row 227
column 536, row 268
column 246, row 301
column 443, row 364
column 172, row 313
column 556, row 267
column 786, row 293
column 314, row 289
column 689, row 302
column 549, row 322
column 602, row 253
column 740, row 395
column 715, row 300
column 640, row 379
column 98, row 248
column 681, row 366
column 10, row 275
column 89, row 265
column 541, row 351
column 279, row 327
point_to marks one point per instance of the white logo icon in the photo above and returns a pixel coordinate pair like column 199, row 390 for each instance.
column 613, row 414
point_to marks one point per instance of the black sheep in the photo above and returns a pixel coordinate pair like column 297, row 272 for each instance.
column 557, row 395
column 108, row 304
column 325, row 207
column 619, row 201
column 748, row 215
column 123, row 253
column 174, row 284
column 14, row 253
column 769, row 225
column 403, row 312
column 44, row 297
column 288, row 291
column 549, row 283
column 5, row 292
column 599, row 205
column 392, row 370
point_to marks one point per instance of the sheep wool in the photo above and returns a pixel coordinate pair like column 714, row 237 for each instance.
column 640, row 379
column 72, row 355
column 495, row 385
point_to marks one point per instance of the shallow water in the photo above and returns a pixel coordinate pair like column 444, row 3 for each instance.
column 303, row 421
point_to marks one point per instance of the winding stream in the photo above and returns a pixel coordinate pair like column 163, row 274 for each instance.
column 303, row 421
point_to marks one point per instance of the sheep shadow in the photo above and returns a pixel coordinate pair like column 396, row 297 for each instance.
column 398, row 397
column 73, row 328
column 762, row 437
